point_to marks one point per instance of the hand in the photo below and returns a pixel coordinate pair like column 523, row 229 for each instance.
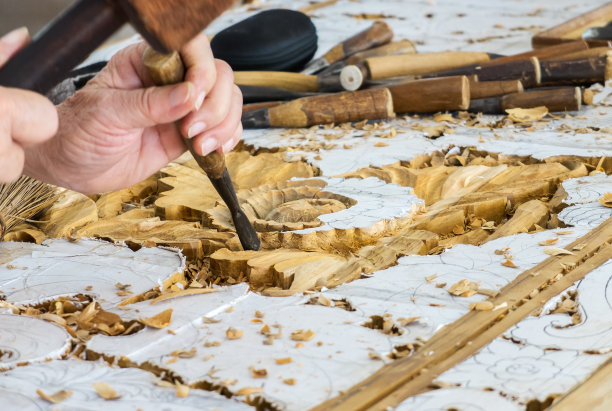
column 26, row 118
column 118, row 130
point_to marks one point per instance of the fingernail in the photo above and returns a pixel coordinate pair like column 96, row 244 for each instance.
column 196, row 129
column 16, row 36
column 200, row 101
column 229, row 146
column 209, row 145
column 180, row 94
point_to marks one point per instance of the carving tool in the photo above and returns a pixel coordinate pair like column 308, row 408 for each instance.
column 361, row 105
column 254, row 94
column 485, row 89
column 288, row 81
column 168, row 69
column 378, row 34
column 166, row 24
column 431, row 95
column 352, row 77
column 556, row 99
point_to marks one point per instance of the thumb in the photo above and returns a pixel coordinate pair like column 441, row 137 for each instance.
column 12, row 42
column 154, row 105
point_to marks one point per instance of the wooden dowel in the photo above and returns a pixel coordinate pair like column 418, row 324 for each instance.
column 372, row 104
column 254, row 94
column 527, row 71
column 545, row 52
column 418, row 64
column 580, row 71
column 431, row 95
column 558, row 99
column 584, row 54
column 277, row 79
column 258, row 106
column 484, row 89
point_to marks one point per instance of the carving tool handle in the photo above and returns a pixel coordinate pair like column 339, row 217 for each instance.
column 169, row 69
column 431, row 95
column 378, row 34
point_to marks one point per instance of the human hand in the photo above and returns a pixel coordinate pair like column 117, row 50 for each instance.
column 26, row 118
column 118, row 130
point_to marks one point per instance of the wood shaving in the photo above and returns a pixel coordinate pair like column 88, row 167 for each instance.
column 249, row 391
column 606, row 200
column 289, row 381
column 56, row 398
column 375, row 356
column 430, row 278
column 565, row 232
column 183, row 293
column 464, row 288
column 182, row 391
column 233, row 334
column 482, row 306
column 282, row 361
column 557, row 251
column 522, row 115
column 105, row 391
column 550, row 241
column 301, row 335
column 259, row 314
column 509, row 263
column 159, row 321
column 258, row 373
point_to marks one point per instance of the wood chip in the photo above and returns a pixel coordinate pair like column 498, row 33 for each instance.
column 564, row 232
column 289, row 381
column 249, row 391
column 259, row 314
column 182, row 391
column 509, row 263
column 56, row 398
column 482, row 306
column 233, row 334
column 550, row 241
column 182, row 293
column 105, row 391
column 301, row 335
column 258, row 373
column 159, row 321
column 522, row 115
column 557, row 251
column 282, row 361
column 430, row 278
column 375, row 356
column 464, row 288
column 606, row 200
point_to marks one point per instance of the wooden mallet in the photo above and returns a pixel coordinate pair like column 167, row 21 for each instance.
column 166, row 24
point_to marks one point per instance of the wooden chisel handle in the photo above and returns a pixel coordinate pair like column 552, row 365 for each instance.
column 277, row 79
column 378, row 34
column 418, row 64
column 169, row 69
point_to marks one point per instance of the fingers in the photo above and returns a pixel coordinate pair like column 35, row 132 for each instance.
column 11, row 158
column 27, row 118
column 227, row 133
column 141, row 108
column 200, row 65
column 12, row 42
column 215, row 107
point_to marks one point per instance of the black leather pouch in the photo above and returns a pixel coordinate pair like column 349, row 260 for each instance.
column 274, row 40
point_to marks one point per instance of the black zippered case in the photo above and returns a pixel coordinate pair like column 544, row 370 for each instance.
column 273, row 40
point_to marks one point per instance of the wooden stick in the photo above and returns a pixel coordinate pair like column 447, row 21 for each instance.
column 277, row 79
column 592, row 394
column 431, row 95
column 573, row 29
column 556, row 99
column 580, row 71
column 527, row 71
column 378, row 34
column 169, row 69
column 418, row 64
column 583, row 54
column 545, row 52
column 254, row 94
column 458, row 341
column 485, row 89
column 258, row 106
column 370, row 104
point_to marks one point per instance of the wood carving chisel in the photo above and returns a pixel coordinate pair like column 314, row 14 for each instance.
column 378, row 34
column 166, row 24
